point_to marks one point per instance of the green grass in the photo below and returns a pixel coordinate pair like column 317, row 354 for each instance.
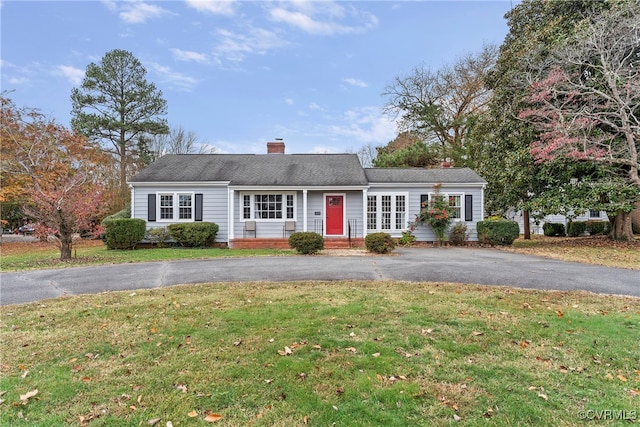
column 28, row 256
column 361, row 354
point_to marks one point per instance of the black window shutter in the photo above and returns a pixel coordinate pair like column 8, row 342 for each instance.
column 151, row 207
column 198, row 207
column 424, row 199
column 468, row 207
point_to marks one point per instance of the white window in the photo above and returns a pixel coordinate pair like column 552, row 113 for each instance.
column 268, row 206
column 456, row 201
column 387, row 212
column 175, row 206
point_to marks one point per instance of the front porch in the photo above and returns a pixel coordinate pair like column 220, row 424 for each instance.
column 280, row 243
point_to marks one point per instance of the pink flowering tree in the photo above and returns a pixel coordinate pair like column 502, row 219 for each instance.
column 586, row 105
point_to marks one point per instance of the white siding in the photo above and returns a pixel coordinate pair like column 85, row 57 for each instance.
column 424, row 232
column 214, row 205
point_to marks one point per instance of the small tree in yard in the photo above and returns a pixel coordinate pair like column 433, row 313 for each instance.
column 58, row 168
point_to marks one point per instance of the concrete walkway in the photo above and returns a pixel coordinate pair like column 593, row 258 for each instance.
column 463, row 265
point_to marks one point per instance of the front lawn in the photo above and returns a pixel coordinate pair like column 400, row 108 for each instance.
column 322, row 353
column 33, row 255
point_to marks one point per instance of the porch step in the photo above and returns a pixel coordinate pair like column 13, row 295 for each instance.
column 262, row 243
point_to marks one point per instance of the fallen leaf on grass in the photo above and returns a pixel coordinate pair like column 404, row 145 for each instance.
column 477, row 334
column 192, row 414
column 543, row 396
column 305, row 419
column 351, row 349
column 286, row 352
column 28, row 395
column 153, row 421
column 622, row 378
column 212, row 418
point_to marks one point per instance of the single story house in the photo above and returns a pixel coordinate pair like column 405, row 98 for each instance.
column 536, row 227
column 258, row 200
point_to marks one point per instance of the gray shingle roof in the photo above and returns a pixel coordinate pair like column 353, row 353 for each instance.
column 420, row 175
column 257, row 169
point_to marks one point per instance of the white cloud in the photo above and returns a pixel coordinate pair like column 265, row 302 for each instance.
column 256, row 41
column 366, row 125
column 174, row 79
column 355, row 82
column 138, row 12
column 325, row 149
column 323, row 17
column 289, row 101
column 315, row 107
column 189, row 55
column 216, row 7
column 74, row 75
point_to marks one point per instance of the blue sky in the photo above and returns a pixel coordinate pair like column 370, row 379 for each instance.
column 242, row 73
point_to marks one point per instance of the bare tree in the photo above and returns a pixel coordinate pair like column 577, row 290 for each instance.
column 177, row 141
column 441, row 105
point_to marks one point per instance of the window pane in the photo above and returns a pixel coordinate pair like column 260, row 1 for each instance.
column 246, row 207
column 455, row 203
column 269, row 206
column 184, row 211
column 385, row 218
column 371, row 212
column 400, row 212
column 166, row 206
column 289, row 206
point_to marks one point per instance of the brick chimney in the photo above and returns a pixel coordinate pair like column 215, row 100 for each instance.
column 276, row 147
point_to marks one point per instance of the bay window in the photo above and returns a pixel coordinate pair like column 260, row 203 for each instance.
column 268, row 206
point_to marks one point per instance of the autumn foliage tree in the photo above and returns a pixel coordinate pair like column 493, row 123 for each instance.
column 584, row 101
column 58, row 172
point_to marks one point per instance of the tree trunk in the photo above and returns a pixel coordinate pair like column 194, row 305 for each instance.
column 66, row 236
column 621, row 226
column 527, row 226
column 65, row 249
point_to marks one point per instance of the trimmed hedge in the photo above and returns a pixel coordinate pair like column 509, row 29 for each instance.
column 123, row 233
column 194, row 234
column 380, row 243
column 553, row 229
column 576, row 228
column 598, row 227
column 306, row 242
column 498, row 233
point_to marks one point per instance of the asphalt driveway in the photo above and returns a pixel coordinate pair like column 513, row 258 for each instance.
column 464, row 265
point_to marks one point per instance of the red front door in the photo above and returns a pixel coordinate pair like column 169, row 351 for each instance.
column 334, row 210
